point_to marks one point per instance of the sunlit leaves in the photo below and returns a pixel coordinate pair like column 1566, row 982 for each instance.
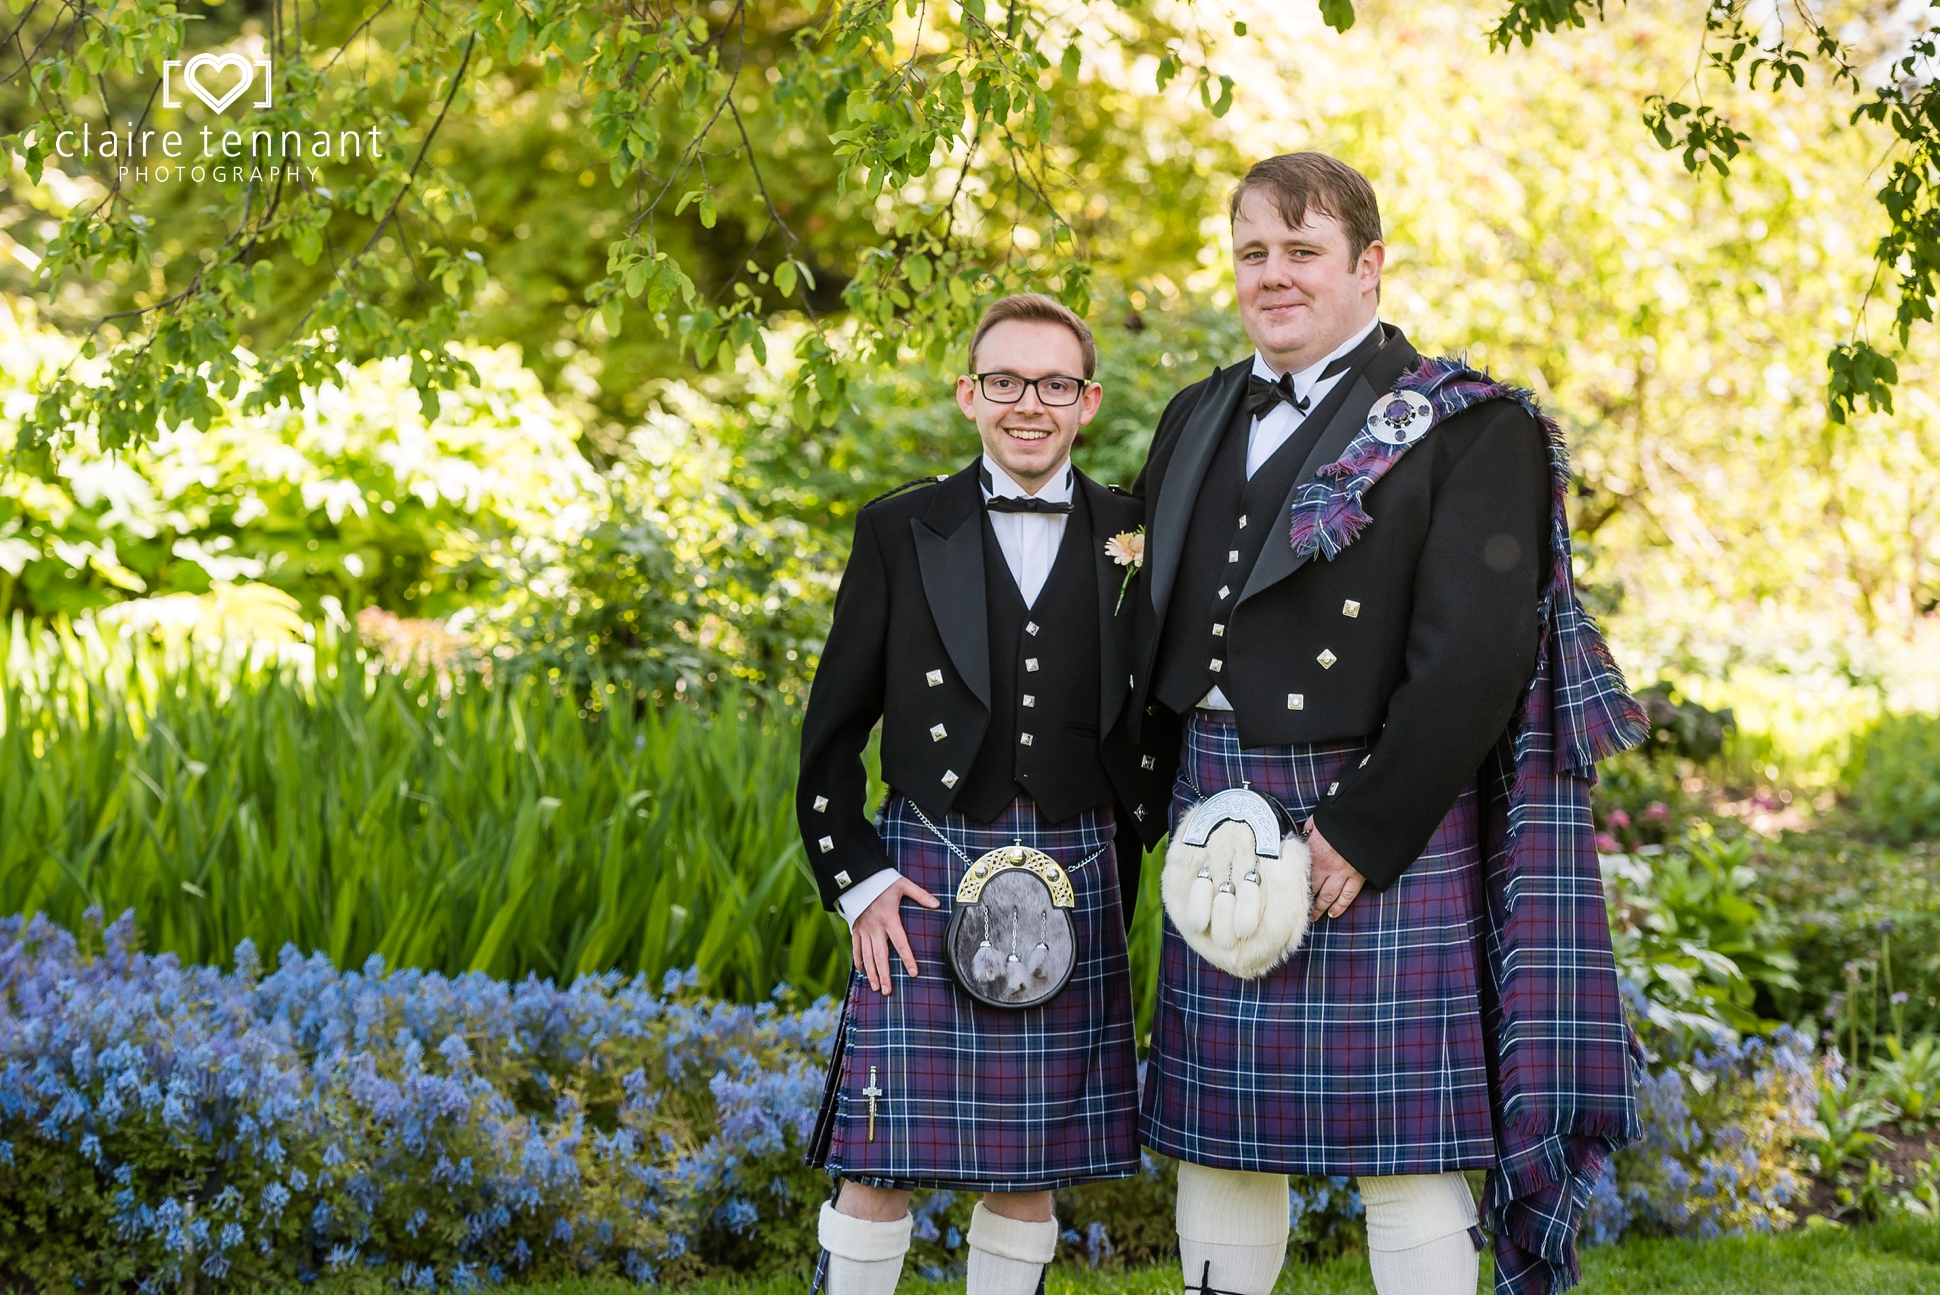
column 1855, row 372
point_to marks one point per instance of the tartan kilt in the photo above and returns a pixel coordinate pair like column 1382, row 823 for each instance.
column 1364, row 1053
column 981, row 1098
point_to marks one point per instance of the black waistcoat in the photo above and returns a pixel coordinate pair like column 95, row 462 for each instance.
column 1043, row 684
column 1230, row 522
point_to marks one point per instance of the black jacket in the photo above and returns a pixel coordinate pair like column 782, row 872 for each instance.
column 1420, row 636
column 911, row 644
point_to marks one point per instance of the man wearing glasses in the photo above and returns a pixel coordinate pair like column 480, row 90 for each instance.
column 982, row 620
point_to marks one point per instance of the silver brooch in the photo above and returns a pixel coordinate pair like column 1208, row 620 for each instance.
column 1400, row 418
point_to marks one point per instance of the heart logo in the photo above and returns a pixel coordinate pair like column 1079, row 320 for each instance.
column 191, row 73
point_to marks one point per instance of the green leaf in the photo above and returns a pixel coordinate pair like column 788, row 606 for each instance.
column 785, row 279
column 1338, row 14
column 1068, row 65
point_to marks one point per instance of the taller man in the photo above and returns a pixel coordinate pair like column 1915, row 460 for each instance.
column 1379, row 693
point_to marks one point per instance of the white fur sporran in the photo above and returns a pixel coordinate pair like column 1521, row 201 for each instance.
column 1238, row 882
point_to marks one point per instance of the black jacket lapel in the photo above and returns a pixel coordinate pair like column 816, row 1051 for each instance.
column 949, row 551
column 1179, row 491
column 1110, row 515
column 1277, row 560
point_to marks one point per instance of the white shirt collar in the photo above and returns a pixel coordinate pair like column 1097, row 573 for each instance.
column 1305, row 377
column 1055, row 491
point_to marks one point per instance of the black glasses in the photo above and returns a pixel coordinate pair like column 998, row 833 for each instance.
column 1008, row 388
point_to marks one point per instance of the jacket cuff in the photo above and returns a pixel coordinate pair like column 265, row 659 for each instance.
column 858, row 897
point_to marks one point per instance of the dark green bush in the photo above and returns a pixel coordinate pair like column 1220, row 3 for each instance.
column 1893, row 780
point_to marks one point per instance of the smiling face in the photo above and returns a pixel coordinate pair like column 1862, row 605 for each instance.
column 1300, row 293
column 1030, row 440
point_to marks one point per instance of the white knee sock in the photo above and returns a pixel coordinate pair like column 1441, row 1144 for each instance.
column 1235, row 1222
column 1007, row 1256
column 1418, row 1239
column 865, row 1258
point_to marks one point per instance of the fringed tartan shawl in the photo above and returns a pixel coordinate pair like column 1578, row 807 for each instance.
column 1563, row 1060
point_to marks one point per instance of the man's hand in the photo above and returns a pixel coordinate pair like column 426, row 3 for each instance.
column 880, row 926
column 1336, row 881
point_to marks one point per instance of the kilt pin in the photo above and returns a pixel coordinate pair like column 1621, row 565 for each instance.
column 979, row 1098
column 1363, row 1053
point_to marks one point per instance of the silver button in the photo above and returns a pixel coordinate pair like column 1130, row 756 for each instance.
column 934, row 677
column 1147, row 762
column 1216, row 664
column 1332, row 787
column 827, row 843
column 1219, row 631
column 1139, row 813
column 1296, row 701
column 821, row 803
column 1030, row 699
column 1224, row 590
column 949, row 777
column 842, row 880
column 1030, row 663
column 1350, row 608
column 1232, row 555
column 1326, row 659
column 1364, row 760
column 938, row 733
column 1030, row 627
column 1025, row 739
column 1242, row 521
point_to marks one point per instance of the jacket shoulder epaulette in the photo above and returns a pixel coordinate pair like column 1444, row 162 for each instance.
column 908, row 485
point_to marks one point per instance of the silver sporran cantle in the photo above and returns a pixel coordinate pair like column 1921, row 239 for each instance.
column 1011, row 942
column 1237, row 882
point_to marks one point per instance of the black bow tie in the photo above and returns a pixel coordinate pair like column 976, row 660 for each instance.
column 1262, row 396
column 997, row 503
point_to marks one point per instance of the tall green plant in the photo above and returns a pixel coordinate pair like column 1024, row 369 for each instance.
column 456, row 822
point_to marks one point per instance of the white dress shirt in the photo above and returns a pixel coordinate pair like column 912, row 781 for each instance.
column 1270, row 432
column 1030, row 543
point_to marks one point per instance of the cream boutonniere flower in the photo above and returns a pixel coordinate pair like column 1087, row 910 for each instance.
column 1127, row 549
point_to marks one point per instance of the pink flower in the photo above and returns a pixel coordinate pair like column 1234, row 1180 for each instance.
column 1127, row 548
column 1656, row 811
column 1619, row 819
column 1607, row 844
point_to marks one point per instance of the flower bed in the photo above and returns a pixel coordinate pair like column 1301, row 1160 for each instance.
column 439, row 1131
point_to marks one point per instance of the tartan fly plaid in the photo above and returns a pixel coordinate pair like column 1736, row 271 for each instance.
column 1363, row 1053
column 1566, row 1063
column 982, row 1098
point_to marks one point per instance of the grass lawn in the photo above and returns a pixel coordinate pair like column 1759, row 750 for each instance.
column 1901, row 1258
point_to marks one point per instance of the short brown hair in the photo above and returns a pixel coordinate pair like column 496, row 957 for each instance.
column 1299, row 182
column 1035, row 307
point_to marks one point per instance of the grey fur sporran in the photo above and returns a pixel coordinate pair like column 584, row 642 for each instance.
column 1011, row 941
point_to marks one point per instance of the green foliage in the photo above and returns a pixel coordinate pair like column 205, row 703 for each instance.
column 704, row 117
column 1695, row 935
column 347, row 497
column 1843, row 1132
column 1908, row 1077
column 458, row 822
column 1893, row 780
column 1864, row 922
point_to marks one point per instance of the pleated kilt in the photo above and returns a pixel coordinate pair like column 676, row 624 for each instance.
column 982, row 1098
column 1361, row 1054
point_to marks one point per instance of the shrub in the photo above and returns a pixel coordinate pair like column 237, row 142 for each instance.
column 1893, row 780
column 1863, row 920
column 1721, row 1148
column 172, row 1127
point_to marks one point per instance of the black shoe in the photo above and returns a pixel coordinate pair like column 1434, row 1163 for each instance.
column 1205, row 1286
